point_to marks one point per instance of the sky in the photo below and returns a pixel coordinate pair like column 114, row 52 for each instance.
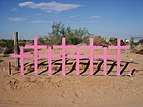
column 108, row 18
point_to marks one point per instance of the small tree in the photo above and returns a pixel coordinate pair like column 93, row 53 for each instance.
column 73, row 36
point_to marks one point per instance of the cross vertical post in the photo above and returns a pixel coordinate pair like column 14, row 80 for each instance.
column 77, row 60
column 22, row 60
column 63, row 56
column 91, row 55
column 50, row 60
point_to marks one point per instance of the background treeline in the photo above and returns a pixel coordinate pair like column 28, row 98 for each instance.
column 78, row 36
column 73, row 36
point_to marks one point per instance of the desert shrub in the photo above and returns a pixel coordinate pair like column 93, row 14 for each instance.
column 29, row 42
column 6, row 43
column 41, row 41
column 123, row 43
column 86, row 39
column 22, row 42
column 112, row 41
column 7, row 50
column 98, row 40
column 6, row 46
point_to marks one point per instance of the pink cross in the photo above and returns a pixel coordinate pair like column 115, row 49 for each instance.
column 118, row 47
column 36, row 47
column 21, row 56
column 105, row 57
column 49, row 56
column 91, row 48
column 63, row 47
column 78, row 57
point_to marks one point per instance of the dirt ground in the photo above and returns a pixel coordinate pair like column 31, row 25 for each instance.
column 72, row 90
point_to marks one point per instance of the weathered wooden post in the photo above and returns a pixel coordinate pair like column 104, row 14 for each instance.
column 16, row 50
column 9, row 67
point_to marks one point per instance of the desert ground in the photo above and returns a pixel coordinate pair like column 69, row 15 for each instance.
column 72, row 90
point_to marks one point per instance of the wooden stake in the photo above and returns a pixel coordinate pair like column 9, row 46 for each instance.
column 9, row 66
column 16, row 50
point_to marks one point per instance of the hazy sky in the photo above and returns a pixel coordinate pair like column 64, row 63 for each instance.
column 120, row 18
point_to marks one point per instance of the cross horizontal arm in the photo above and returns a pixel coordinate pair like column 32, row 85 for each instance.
column 71, row 46
column 71, row 56
column 97, row 47
column 75, row 56
column 15, row 55
column 83, row 56
column 112, row 47
column 103, row 56
column 29, row 46
column 84, row 47
column 56, row 47
column 28, row 56
column 98, row 56
column 42, row 47
column 43, row 55
column 47, row 56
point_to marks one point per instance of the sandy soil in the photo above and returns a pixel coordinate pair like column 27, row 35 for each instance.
column 71, row 90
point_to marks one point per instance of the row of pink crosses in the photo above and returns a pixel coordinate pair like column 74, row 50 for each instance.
column 49, row 56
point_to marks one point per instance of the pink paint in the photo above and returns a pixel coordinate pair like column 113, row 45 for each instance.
column 36, row 47
column 63, row 47
column 91, row 47
column 105, row 57
column 21, row 56
column 78, row 57
column 49, row 56
column 118, row 47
